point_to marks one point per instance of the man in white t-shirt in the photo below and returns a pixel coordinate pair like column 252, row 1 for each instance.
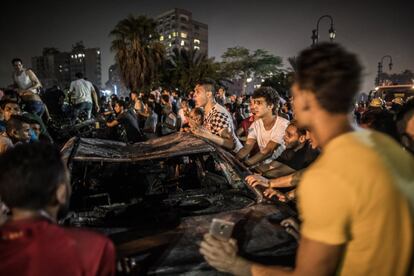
column 83, row 96
column 268, row 129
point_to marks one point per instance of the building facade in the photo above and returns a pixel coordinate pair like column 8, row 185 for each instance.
column 52, row 68
column 59, row 68
column 178, row 30
column 86, row 61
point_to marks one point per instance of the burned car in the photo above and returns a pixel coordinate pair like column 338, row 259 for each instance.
column 156, row 199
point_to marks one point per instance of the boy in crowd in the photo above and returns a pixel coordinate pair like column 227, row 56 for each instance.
column 267, row 130
column 218, row 124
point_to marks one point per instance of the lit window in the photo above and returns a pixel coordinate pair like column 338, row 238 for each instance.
column 98, row 52
column 161, row 38
column 76, row 56
column 182, row 42
column 174, row 34
column 196, row 41
column 72, row 56
column 183, row 35
column 196, row 48
column 169, row 44
column 169, row 36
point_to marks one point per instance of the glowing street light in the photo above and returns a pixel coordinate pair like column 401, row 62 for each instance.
column 315, row 32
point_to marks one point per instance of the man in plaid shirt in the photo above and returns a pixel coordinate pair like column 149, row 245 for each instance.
column 218, row 125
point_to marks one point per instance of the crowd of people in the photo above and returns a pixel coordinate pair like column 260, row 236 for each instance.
column 348, row 168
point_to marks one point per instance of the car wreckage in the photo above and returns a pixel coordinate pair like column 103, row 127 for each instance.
column 156, row 200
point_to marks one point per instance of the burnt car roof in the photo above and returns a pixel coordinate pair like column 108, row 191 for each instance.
column 91, row 149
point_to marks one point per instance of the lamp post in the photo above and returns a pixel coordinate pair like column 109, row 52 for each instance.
column 380, row 65
column 315, row 32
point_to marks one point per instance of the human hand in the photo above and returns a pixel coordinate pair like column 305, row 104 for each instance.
column 221, row 255
column 257, row 180
column 269, row 193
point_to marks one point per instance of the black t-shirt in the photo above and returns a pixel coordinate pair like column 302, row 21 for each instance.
column 299, row 159
column 129, row 122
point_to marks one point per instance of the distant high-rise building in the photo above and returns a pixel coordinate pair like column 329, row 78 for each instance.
column 178, row 30
column 59, row 68
column 86, row 61
column 52, row 68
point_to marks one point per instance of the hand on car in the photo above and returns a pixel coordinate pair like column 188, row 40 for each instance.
column 257, row 180
column 269, row 193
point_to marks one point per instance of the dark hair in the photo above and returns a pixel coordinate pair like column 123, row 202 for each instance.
column 79, row 75
column 198, row 111
column 404, row 115
column 380, row 120
column 300, row 131
column 166, row 98
column 151, row 105
column 332, row 74
column 10, row 94
column 16, row 123
column 134, row 92
column 120, row 103
column 209, row 84
column 5, row 102
column 269, row 94
column 16, row 60
column 30, row 175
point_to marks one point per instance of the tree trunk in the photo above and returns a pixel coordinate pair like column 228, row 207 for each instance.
column 244, row 84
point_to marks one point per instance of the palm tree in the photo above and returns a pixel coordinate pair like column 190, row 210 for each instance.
column 138, row 51
column 184, row 68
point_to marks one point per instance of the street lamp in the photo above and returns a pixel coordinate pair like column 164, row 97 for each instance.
column 315, row 32
column 380, row 65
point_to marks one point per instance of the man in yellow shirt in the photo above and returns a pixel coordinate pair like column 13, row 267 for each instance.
column 356, row 200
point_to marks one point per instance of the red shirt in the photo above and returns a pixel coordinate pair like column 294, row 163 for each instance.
column 246, row 123
column 39, row 247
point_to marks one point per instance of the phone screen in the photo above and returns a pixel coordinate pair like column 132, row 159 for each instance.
column 221, row 229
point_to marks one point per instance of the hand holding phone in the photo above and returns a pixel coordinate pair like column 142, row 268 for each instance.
column 221, row 229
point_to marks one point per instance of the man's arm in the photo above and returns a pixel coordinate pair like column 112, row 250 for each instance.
column 112, row 123
column 95, row 98
column 263, row 154
column 291, row 180
column 313, row 258
column 224, row 142
column 246, row 149
column 35, row 81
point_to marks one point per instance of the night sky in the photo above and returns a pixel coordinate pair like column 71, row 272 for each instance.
column 372, row 29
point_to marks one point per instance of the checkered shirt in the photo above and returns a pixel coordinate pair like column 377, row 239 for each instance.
column 218, row 119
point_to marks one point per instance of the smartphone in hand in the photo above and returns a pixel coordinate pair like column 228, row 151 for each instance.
column 221, row 229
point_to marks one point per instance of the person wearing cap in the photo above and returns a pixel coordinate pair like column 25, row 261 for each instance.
column 376, row 103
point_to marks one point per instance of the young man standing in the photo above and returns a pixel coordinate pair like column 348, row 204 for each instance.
column 84, row 95
column 354, row 200
column 34, row 184
column 267, row 130
column 218, row 124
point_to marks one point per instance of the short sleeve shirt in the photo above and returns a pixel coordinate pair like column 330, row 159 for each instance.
column 83, row 90
column 358, row 193
column 262, row 136
column 219, row 119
